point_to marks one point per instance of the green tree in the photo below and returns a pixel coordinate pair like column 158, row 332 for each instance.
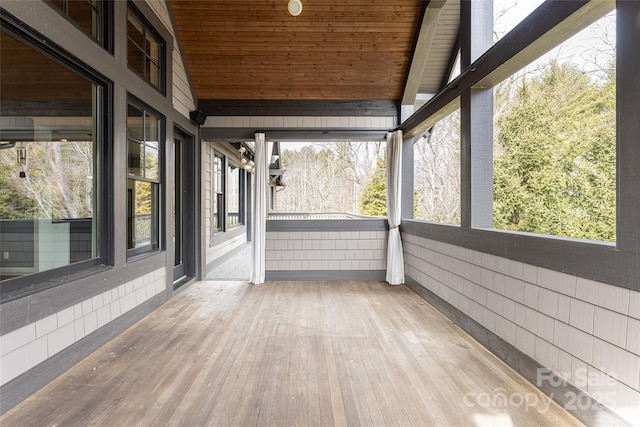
column 373, row 201
column 13, row 203
column 555, row 162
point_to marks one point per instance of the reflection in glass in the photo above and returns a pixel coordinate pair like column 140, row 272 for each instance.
column 233, row 196
column 135, row 158
column 134, row 123
column 144, row 180
column 142, row 208
column 85, row 13
column 218, row 190
column 143, row 145
column 151, row 162
column 143, row 49
column 135, row 30
column 151, row 129
column 48, row 176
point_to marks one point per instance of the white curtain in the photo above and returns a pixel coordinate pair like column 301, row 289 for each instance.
column 260, row 203
column 395, row 259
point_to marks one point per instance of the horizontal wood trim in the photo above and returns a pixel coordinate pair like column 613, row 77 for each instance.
column 274, row 107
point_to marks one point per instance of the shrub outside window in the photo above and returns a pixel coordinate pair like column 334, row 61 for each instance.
column 555, row 140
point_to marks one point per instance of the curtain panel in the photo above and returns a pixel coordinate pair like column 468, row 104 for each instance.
column 395, row 258
column 259, row 201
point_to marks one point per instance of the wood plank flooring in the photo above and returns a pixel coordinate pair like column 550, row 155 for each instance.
column 235, row 268
column 290, row 354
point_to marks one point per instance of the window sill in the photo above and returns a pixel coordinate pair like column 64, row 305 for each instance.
column 48, row 282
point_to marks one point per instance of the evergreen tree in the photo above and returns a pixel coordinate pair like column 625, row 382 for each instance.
column 555, row 163
column 373, row 201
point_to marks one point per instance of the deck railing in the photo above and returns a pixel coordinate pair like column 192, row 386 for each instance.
column 315, row 216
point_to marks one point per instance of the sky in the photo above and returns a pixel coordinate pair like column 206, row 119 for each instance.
column 591, row 48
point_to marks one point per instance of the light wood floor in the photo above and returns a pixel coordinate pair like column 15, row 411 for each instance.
column 290, row 354
column 235, row 268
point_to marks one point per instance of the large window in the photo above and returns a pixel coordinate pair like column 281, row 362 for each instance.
column 217, row 193
column 144, row 178
column 437, row 172
column 51, row 178
column 555, row 140
column 341, row 178
column 90, row 15
column 145, row 49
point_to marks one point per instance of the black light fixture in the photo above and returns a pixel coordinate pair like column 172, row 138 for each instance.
column 198, row 117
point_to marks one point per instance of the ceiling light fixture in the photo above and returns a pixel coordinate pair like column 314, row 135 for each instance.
column 294, row 7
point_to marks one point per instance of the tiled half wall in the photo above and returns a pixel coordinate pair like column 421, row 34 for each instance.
column 28, row 346
column 587, row 332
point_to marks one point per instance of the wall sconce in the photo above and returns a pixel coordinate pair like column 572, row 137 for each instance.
column 246, row 164
column 294, row 7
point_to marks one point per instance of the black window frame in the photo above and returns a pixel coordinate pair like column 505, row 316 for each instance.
column 143, row 251
column 240, row 171
column 22, row 286
column 162, row 47
column 104, row 9
column 220, row 202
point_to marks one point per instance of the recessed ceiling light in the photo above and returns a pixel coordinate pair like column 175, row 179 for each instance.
column 295, row 7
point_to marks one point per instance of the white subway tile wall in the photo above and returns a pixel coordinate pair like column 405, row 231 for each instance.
column 340, row 250
column 568, row 324
column 26, row 347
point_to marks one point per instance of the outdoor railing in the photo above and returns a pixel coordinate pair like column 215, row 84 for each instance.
column 315, row 216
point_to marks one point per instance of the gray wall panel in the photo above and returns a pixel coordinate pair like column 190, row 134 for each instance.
column 344, row 275
column 592, row 260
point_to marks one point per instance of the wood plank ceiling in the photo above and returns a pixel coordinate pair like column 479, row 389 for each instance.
column 335, row 50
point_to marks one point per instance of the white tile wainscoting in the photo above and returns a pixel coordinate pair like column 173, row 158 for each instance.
column 32, row 344
column 585, row 331
column 328, row 251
